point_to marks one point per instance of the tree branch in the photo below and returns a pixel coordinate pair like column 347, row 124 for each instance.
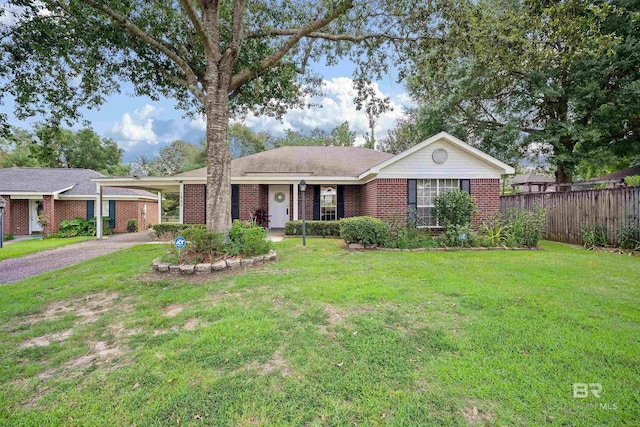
column 231, row 55
column 247, row 74
column 131, row 28
column 332, row 37
column 200, row 29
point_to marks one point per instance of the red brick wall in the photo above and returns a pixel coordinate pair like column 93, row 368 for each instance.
column 6, row 225
column 19, row 217
column 392, row 197
column 369, row 199
column 69, row 209
column 308, row 202
column 352, row 200
column 194, row 199
column 152, row 214
column 251, row 199
column 486, row 195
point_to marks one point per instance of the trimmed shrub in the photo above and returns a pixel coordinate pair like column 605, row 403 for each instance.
column 8, row 237
column 248, row 239
column 314, row 228
column 365, row 230
column 200, row 240
column 173, row 228
column 594, row 236
column 454, row 207
column 132, row 226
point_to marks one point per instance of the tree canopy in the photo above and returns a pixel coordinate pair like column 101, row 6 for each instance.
column 212, row 57
column 557, row 79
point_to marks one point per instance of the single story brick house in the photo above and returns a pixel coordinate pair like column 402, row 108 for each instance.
column 64, row 194
column 342, row 182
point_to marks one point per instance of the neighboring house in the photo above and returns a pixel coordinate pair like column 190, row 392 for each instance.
column 342, row 182
column 63, row 194
column 530, row 183
column 610, row 180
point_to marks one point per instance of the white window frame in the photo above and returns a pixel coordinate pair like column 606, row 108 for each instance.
column 334, row 194
column 439, row 191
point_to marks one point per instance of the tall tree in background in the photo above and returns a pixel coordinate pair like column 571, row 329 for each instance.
column 15, row 149
column 338, row 136
column 211, row 56
column 244, row 142
column 522, row 76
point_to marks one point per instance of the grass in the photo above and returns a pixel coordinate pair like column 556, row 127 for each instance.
column 26, row 247
column 327, row 337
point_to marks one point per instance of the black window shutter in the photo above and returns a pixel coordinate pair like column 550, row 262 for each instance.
column 235, row 202
column 340, row 201
column 205, row 204
column 112, row 214
column 412, row 197
column 465, row 185
column 90, row 209
column 316, row 202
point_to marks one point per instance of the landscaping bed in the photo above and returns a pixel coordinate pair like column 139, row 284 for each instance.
column 232, row 263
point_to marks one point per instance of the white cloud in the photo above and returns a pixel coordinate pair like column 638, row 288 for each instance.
column 138, row 127
column 198, row 123
column 335, row 106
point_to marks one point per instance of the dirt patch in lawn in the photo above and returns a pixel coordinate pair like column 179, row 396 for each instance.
column 100, row 353
column 47, row 339
column 89, row 308
column 277, row 363
column 172, row 310
column 335, row 316
column 474, row 416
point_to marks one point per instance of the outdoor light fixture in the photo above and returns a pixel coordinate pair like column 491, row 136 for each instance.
column 303, row 188
column 3, row 203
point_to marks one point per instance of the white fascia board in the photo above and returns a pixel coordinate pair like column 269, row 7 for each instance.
column 93, row 196
column 506, row 169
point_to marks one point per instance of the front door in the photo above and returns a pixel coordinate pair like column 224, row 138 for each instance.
column 35, row 210
column 278, row 205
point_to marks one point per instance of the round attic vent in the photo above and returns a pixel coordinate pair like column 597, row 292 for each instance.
column 440, row 155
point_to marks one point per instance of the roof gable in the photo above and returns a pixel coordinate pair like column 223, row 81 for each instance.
column 463, row 160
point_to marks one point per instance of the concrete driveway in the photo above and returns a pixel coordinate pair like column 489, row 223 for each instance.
column 14, row 269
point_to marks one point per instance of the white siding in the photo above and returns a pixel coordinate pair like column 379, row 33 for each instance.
column 460, row 164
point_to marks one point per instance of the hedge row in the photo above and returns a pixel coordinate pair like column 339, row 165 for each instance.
column 173, row 228
column 314, row 228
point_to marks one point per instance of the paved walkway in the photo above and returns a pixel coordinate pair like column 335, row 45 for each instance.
column 14, row 269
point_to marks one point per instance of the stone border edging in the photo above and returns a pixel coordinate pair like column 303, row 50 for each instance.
column 201, row 269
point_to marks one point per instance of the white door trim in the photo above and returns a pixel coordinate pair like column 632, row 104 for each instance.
column 34, row 225
column 278, row 210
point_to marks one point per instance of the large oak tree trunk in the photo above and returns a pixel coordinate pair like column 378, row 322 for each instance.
column 218, row 162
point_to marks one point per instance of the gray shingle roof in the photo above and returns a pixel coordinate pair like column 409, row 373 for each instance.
column 50, row 180
column 311, row 161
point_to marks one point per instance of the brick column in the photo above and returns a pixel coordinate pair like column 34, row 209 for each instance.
column 48, row 210
column 7, row 215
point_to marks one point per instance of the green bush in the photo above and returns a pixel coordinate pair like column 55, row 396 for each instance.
column 200, row 240
column 8, row 237
column 632, row 180
column 458, row 236
column 248, row 239
column 365, row 230
column 629, row 237
column 523, row 228
column 174, row 229
column 594, row 236
column 77, row 227
column 314, row 228
column 492, row 233
column 132, row 225
column 454, row 207
column 403, row 234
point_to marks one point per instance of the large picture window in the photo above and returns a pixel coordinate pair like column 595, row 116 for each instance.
column 328, row 203
column 427, row 191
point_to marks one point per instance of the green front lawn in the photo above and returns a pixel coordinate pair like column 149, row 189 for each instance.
column 327, row 337
column 26, row 247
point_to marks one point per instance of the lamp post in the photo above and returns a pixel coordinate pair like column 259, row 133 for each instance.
column 303, row 189
column 3, row 203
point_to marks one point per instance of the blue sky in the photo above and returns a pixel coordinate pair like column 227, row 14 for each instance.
column 143, row 126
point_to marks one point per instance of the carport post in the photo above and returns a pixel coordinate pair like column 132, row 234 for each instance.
column 99, row 213
column 159, row 207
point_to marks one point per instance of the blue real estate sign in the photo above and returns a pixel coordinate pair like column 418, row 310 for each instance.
column 180, row 242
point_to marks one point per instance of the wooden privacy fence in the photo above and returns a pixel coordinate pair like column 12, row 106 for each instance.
column 568, row 212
